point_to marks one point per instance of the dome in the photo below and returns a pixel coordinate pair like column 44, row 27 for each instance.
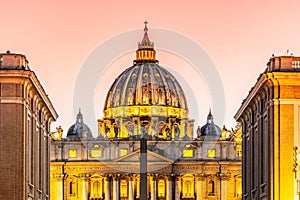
column 210, row 129
column 79, row 129
column 145, row 95
column 146, row 83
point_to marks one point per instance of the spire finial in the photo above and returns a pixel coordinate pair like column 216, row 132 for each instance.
column 146, row 28
column 79, row 116
column 146, row 40
column 209, row 117
column 145, row 50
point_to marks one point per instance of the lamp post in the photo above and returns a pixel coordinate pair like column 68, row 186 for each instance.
column 143, row 164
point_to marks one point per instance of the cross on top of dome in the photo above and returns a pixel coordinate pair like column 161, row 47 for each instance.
column 79, row 116
column 146, row 43
column 146, row 28
column 209, row 117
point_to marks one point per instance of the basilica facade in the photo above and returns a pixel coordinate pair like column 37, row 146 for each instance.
column 146, row 101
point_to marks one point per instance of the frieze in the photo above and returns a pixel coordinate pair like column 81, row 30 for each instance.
column 136, row 168
column 104, row 169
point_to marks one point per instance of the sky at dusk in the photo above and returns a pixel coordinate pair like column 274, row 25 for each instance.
column 238, row 36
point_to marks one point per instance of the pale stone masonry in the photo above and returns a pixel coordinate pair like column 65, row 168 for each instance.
column 25, row 116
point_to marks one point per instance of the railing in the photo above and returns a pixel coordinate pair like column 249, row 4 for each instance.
column 38, row 194
column 46, row 197
column 296, row 64
column 211, row 194
column 188, row 195
column 263, row 187
column 253, row 192
column 73, row 195
column 30, row 190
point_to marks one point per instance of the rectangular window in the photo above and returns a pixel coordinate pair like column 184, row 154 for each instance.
column 96, row 153
column 123, row 152
column 211, row 153
column 72, row 153
column 188, row 153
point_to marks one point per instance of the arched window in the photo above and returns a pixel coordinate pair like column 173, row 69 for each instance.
column 188, row 186
column 211, row 188
column 97, row 188
column 238, row 186
column 123, row 186
column 72, row 188
column 161, row 188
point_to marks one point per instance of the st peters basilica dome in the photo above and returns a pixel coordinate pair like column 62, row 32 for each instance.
column 145, row 94
column 144, row 84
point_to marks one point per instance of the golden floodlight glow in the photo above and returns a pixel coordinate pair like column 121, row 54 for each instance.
column 188, row 153
column 72, row 153
column 211, row 153
column 96, row 153
column 123, row 152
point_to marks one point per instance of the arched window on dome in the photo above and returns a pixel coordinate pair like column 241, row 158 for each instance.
column 130, row 96
column 174, row 98
column 117, row 98
column 161, row 96
column 145, row 96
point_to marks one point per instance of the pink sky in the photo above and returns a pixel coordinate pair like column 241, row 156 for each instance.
column 239, row 36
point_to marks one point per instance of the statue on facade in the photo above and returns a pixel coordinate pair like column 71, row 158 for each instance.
column 116, row 130
column 176, row 131
column 168, row 133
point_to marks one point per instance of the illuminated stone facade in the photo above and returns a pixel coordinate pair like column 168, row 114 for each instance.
column 270, row 117
column 182, row 164
column 25, row 117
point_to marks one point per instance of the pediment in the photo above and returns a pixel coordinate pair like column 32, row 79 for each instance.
column 152, row 158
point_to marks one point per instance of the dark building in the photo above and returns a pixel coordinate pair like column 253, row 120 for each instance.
column 25, row 117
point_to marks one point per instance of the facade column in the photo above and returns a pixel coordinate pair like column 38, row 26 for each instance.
column 177, row 187
column 138, row 188
column 154, row 187
column 107, row 187
column 224, row 177
column 131, row 189
column 199, row 186
column 169, row 188
column 57, row 191
column 84, row 186
column 116, row 192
